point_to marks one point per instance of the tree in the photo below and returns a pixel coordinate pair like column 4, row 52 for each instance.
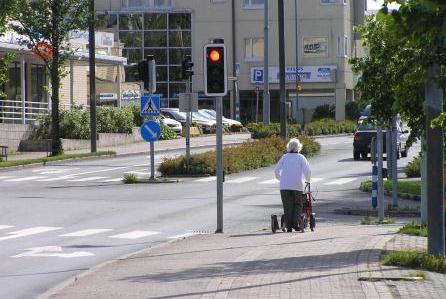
column 51, row 21
column 6, row 7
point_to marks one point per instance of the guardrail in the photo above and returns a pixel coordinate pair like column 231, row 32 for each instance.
column 13, row 110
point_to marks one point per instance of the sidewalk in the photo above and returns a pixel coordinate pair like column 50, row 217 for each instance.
column 323, row 264
column 143, row 147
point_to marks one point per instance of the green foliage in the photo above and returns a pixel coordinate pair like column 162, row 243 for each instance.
column 416, row 260
column 412, row 229
column 236, row 128
column 249, row 155
column 413, row 168
column 129, row 178
column 167, row 133
column 74, row 124
column 407, row 187
column 324, row 111
column 367, row 220
column 329, row 126
column 352, row 111
column 115, row 120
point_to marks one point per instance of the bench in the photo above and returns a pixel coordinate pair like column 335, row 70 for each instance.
column 4, row 152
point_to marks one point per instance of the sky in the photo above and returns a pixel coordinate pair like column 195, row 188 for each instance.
column 376, row 4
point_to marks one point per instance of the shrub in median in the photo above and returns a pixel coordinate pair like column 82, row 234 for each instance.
column 167, row 133
column 413, row 168
column 249, row 155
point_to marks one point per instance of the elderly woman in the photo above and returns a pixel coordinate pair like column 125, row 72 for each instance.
column 290, row 170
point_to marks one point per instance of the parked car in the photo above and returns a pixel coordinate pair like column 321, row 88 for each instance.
column 227, row 120
column 202, row 113
column 362, row 139
column 172, row 124
column 174, row 113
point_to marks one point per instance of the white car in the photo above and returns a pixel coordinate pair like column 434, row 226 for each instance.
column 172, row 124
column 227, row 121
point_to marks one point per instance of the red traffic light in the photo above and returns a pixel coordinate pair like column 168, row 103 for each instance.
column 214, row 56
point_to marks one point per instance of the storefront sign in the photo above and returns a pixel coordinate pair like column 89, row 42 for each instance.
column 315, row 46
column 108, row 97
column 307, row 74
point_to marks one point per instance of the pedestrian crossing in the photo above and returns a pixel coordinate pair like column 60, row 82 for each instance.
column 97, row 177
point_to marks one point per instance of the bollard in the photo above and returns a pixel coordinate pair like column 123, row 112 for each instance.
column 374, row 186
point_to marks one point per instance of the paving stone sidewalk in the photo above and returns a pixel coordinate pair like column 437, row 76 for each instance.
column 323, row 264
column 143, row 147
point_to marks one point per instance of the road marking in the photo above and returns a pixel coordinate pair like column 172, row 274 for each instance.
column 29, row 178
column 53, row 170
column 135, row 234
column 86, row 232
column 208, row 179
column 60, row 178
column 269, row 182
column 29, row 232
column 93, row 178
column 6, row 177
column 143, row 173
column 5, row 226
column 185, row 235
column 341, row 181
column 51, row 251
column 315, row 180
column 112, row 180
column 241, row 180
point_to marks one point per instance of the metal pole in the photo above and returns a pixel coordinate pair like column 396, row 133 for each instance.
column 257, row 105
column 188, row 121
column 92, row 63
column 389, row 149
column 71, row 84
column 297, row 53
column 394, row 151
column 379, row 145
column 434, row 165
column 152, row 160
column 283, row 120
column 219, row 169
column 266, row 95
column 423, row 170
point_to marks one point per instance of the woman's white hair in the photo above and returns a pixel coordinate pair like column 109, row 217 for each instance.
column 294, row 146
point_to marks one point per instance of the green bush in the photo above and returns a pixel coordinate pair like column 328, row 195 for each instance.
column 413, row 168
column 236, row 128
column 249, row 155
column 129, row 178
column 352, row 111
column 324, row 111
column 115, row 120
column 167, row 133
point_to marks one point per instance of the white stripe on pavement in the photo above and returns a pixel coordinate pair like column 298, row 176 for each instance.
column 29, row 178
column 208, row 179
column 93, row 178
column 60, row 178
column 53, row 170
column 86, row 232
column 135, row 234
column 269, row 182
column 315, row 180
column 4, row 177
column 5, row 226
column 112, row 180
column 29, row 232
column 341, row 181
column 241, row 180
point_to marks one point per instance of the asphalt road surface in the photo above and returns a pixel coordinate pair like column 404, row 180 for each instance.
column 59, row 220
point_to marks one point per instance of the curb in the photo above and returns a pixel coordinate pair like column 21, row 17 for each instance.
column 123, row 155
column 365, row 212
column 59, row 287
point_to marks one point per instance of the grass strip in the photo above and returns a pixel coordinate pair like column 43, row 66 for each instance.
column 45, row 160
column 416, row 260
column 130, row 178
column 408, row 187
column 412, row 229
column 367, row 220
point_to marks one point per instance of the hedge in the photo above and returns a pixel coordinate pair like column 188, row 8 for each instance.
column 247, row 156
column 314, row 128
column 413, row 168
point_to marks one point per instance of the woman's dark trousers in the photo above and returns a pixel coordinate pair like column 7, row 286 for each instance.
column 292, row 207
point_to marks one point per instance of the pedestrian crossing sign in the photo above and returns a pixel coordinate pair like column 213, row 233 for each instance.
column 150, row 106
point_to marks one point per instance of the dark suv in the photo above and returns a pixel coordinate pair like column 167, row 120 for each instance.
column 363, row 138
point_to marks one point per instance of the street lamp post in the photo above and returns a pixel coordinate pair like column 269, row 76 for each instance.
column 297, row 53
column 92, row 66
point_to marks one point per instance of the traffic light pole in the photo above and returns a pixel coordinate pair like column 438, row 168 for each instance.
column 283, row 120
column 92, row 67
column 266, row 95
column 379, row 145
column 219, row 142
column 188, row 123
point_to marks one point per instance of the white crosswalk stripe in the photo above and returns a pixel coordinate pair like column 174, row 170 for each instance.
column 86, row 232
column 208, row 179
column 269, row 182
column 112, row 180
column 60, row 178
column 89, row 179
column 241, row 180
column 135, row 235
column 316, row 180
column 28, row 232
column 29, row 178
column 4, row 177
column 341, row 181
column 5, row 226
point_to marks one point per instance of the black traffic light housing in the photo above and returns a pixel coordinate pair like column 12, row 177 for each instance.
column 187, row 66
column 144, row 71
column 215, row 70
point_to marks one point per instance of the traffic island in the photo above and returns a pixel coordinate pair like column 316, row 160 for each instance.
column 131, row 178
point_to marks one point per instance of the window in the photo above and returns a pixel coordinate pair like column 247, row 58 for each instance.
column 342, row 46
column 138, row 4
column 253, row 4
column 218, row 1
column 253, row 49
column 344, row 2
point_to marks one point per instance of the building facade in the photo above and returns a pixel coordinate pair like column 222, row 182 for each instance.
column 170, row 29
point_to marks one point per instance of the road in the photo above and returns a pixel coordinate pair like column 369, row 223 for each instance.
column 60, row 220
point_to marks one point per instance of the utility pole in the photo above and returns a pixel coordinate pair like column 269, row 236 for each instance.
column 296, row 27
column 379, row 145
column 394, row 164
column 266, row 95
column 92, row 63
column 434, row 166
column 283, row 115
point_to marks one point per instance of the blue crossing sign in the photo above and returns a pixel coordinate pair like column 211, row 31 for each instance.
column 150, row 106
column 150, row 131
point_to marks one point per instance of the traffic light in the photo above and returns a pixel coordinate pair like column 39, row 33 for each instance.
column 187, row 66
column 215, row 71
column 144, row 71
